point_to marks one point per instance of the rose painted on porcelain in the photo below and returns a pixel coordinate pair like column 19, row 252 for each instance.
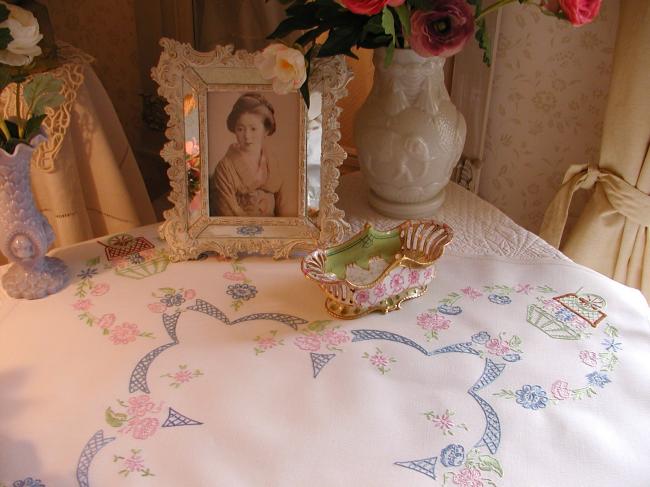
column 283, row 65
column 442, row 29
column 560, row 390
column 580, row 12
column 362, row 297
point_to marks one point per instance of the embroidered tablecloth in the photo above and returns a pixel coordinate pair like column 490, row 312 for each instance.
column 230, row 373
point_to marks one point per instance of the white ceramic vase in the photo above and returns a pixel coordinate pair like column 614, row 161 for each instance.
column 25, row 234
column 409, row 135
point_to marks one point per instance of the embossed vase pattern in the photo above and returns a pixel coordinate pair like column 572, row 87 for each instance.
column 26, row 234
column 409, row 135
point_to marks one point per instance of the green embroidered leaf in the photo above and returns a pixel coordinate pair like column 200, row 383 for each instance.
column 41, row 92
column 507, row 394
column 514, row 342
column 611, row 331
column 92, row 262
column 318, row 325
column 488, row 463
column 114, row 419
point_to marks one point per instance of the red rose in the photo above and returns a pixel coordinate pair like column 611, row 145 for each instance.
column 443, row 30
column 367, row 7
column 580, row 12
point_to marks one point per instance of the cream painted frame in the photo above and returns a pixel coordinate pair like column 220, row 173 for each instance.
column 178, row 67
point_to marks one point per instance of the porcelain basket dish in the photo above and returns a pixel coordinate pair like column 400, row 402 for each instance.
column 377, row 271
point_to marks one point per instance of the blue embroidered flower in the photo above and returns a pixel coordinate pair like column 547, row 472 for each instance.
column 598, row 379
column 612, row 345
column 511, row 357
column 173, row 299
column 563, row 315
column 250, row 230
column 481, row 337
column 28, row 482
column 450, row 310
column 499, row 299
column 452, row 455
column 136, row 258
column 532, row 397
column 88, row 273
column 241, row 291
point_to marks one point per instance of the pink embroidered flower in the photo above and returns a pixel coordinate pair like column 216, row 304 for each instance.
column 141, row 405
column 379, row 360
column 234, row 276
column 134, row 463
column 497, row 347
column 189, row 293
column 468, row 477
column 100, row 289
column 444, row 422
column 157, row 307
column 471, row 293
column 524, row 288
column 414, row 276
column 432, row 321
column 362, row 297
column 148, row 254
column 335, row 337
column 143, row 428
column 82, row 305
column 379, row 291
column 124, row 333
column 106, row 321
column 560, row 390
column 182, row 376
column 310, row 343
column 397, row 283
column 267, row 342
column 588, row 358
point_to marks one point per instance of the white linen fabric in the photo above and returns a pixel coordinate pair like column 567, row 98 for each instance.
column 213, row 372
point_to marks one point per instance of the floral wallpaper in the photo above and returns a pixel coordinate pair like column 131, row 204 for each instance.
column 550, row 90
column 106, row 31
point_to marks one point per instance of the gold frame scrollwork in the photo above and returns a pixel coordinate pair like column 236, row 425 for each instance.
column 176, row 69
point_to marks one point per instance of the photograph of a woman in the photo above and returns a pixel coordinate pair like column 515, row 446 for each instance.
column 249, row 179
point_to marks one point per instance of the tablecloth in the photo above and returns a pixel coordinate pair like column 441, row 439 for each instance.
column 231, row 373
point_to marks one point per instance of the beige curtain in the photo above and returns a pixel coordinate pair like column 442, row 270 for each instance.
column 611, row 235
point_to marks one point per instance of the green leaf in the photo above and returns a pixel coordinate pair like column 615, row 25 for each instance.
column 483, row 40
column 33, row 126
column 490, row 464
column 404, row 18
column 13, row 129
column 43, row 91
column 4, row 13
column 5, row 36
column 114, row 419
column 388, row 23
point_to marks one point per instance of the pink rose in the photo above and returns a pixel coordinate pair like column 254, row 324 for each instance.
column 560, row 390
column 140, row 405
column 310, row 343
column 397, row 283
column 497, row 347
column 580, row 12
column 468, row 477
column 124, row 333
column 369, row 7
column 189, row 293
column 379, row 290
column 143, row 428
column 432, row 321
column 157, row 307
column 413, row 277
column 82, row 305
column 443, row 30
column 588, row 358
column 106, row 321
column 100, row 289
column 362, row 297
column 335, row 337
column 234, row 276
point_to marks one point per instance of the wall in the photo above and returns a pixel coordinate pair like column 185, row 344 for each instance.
column 549, row 95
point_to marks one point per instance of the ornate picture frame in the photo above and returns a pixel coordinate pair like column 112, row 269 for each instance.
column 292, row 194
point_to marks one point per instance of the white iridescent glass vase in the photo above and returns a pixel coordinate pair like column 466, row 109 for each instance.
column 409, row 135
column 25, row 234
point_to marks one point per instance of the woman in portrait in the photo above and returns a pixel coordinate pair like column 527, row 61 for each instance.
column 247, row 180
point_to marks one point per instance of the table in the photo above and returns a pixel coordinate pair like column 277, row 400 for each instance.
column 85, row 178
column 214, row 372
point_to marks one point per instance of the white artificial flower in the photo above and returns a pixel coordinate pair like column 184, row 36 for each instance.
column 284, row 65
column 26, row 35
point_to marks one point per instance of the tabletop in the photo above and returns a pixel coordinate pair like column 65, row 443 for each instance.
column 216, row 372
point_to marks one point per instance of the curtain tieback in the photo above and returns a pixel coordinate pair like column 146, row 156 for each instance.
column 624, row 198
